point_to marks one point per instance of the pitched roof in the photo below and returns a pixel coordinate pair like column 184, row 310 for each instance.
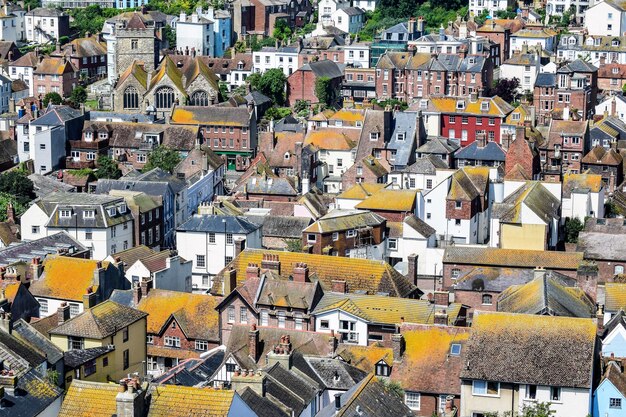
column 600, row 156
column 137, row 71
column 89, row 399
column 548, row 295
column 339, row 220
column 492, row 279
column 512, row 258
column 616, row 377
column 29, row 334
column 492, row 151
column 77, row 357
column 468, row 183
column 386, row 310
column 427, row 364
column 65, row 278
column 389, row 200
column 220, row 116
column 614, row 296
column 547, row 350
column 532, row 195
column 324, row 68
column 602, row 246
column 333, row 138
column 194, row 313
column 495, row 106
column 427, row 164
column 217, row 224
column 545, row 79
column 586, row 182
column 103, row 320
column 54, row 66
column 32, row 397
column 178, row 401
column 158, row 261
column 359, row 274
column 365, row 357
column 361, row 190
column 370, row 396
column 132, row 255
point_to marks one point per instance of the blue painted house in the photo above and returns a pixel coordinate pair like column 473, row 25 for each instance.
column 614, row 336
column 609, row 400
column 223, row 30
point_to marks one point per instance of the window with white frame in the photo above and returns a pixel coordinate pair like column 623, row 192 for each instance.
column 65, row 213
column 231, row 314
column 412, row 400
column 298, row 321
column 487, row 388
column 311, row 237
column 150, row 339
column 281, row 319
column 351, row 233
column 392, row 244
column 200, row 261
column 89, row 214
column 172, row 341
column 243, row 315
column 335, row 236
column 202, row 345
column 43, row 306
column 264, row 318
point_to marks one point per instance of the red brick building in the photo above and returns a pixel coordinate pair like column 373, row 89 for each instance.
column 301, row 84
column 88, row 55
column 612, row 77
column 407, row 75
column 54, row 75
column 568, row 141
column 465, row 118
column 577, row 89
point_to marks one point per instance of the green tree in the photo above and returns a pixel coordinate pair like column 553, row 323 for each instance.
column 293, row 245
column 624, row 89
column 79, row 95
column 107, row 168
column 537, row 410
column 506, row 89
column 52, row 97
column 277, row 113
column 170, row 36
column 282, row 31
column 162, row 157
column 5, row 200
column 324, row 91
column 17, row 184
column 392, row 386
column 572, row 228
column 271, row 83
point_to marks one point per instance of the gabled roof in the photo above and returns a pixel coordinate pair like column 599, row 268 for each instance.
column 137, row 71
column 546, row 350
column 32, row 397
column 286, row 293
column 615, row 296
column 492, row 151
column 169, row 69
column 427, row 164
column 57, row 116
column 89, row 399
column 600, row 156
column 483, row 256
column 419, row 225
column 99, row 322
column 178, row 401
column 370, row 396
column 324, row 68
column 360, row 274
column 23, row 352
column 496, row 106
column 262, row 406
column 365, row 357
column 217, row 224
column 220, row 116
column 54, row 66
column 468, row 183
column 194, row 313
column 380, row 309
column 427, row 365
column 329, row 373
column 545, row 79
column 76, row 358
column 438, row 146
column 389, row 200
column 532, row 195
column 577, row 65
column 576, row 183
column 361, row 190
column 616, row 377
column 547, row 295
column 30, row 335
column 340, row 220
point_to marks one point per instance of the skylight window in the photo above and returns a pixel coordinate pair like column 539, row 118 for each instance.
column 455, row 349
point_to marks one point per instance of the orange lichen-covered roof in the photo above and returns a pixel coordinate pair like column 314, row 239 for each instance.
column 361, row 190
column 89, row 399
column 349, row 115
column 360, row 274
column 333, row 139
column 54, row 66
column 428, row 364
column 179, row 401
column 512, row 257
column 195, row 313
column 546, row 350
column 390, row 200
column 482, row 106
column 585, row 181
column 11, row 290
column 168, row 68
column 365, row 357
column 615, row 296
column 65, row 278
column 137, row 70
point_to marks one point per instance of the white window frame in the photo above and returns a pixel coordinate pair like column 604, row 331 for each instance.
column 414, row 403
column 478, row 391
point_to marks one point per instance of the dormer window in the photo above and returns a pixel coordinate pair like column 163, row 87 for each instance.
column 103, row 135
column 472, row 60
column 89, row 214
column 596, row 42
column 460, row 105
column 123, row 208
column 112, row 211
column 615, row 42
column 572, row 41
column 615, row 70
column 152, row 138
column 382, row 369
column 374, row 135
column 88, row 136
column 484, row 106
column 65, row 213
column 400, row 136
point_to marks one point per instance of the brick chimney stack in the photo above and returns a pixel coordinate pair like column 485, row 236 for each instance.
column 252, row 271
column 397, row 346
column 301, row 272
column 271, row 262
column 90, row 299
column 412, row 269
column 442, row 298
column 253, row 342
column 63, row 313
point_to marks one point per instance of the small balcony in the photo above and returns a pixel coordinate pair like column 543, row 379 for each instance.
column 71, row 163
column 81, row 144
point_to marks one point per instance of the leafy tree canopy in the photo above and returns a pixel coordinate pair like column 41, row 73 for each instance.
column 277, row 113
column 52, row 97
column 162, row 157
column 79, row 95
column 506, row 88
column 282, row 31
column 107, row 168
column 324, row 91
column 17, row 184
column 572, row 228
column 5, row 199
column 271, row 83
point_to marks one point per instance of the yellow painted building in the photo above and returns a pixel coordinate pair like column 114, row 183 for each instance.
column 114, row 335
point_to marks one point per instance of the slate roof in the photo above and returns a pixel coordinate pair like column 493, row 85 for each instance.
column 369, row 396
column 359, row 274
column 89, row 399
column 152, row 185
column 483, row 256
column 44, row 185
column 281, row 226
column 56, row 116
column 179, row 401
column 27, row 334
column 329, row 373
column 547, row 350
column 216, row 224
column 428, row 164
column 490, row 152
column 385, row 310
column 132, row 255
column 545, row 79
column 131, row 135
column 405, row 124
column 427, row 365
column 25, row 351
column 577, row 65
column 211, row 116
column 614, row 296
column 33, row 396
column 548, row 295
column 261, row 184
column 194, row 371
column 438, row 146
column 340, row 220
column 48, row 245
column 419, row 225
column 262, row 406
column 289, row 388
column 99, row 322
column 324, row 68
column 78, row 357
column 532, row 195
